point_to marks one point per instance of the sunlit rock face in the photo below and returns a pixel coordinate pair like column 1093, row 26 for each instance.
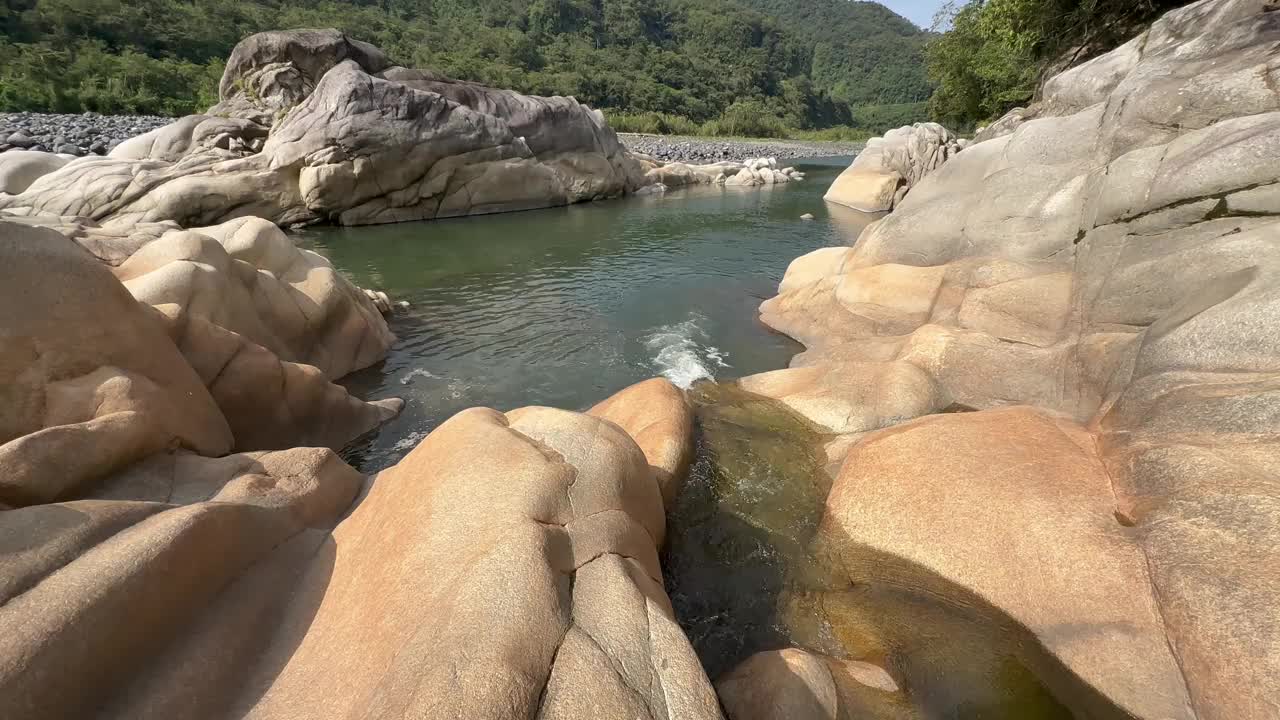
column 315, row 126
column 889, row 166
column 1101, row 283
column 506, row 568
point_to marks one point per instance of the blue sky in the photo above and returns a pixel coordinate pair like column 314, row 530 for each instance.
column 919, row 12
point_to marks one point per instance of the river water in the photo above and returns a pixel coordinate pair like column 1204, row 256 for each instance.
column 564, row 307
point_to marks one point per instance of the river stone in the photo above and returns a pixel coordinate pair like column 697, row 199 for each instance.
column 268, row 327
column 1015, row 489
column 314, row 126
column 525, row 582
column 20, row 168
column 852, row 398
column 656, row 414
column 1109, row 256
column 792, row 683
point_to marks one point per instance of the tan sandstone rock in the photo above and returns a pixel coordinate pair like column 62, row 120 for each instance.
column 1014, row 521
column 658, row 416
column 506, row 567
column 90, row 381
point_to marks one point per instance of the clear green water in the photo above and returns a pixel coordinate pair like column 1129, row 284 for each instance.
column 564, row 307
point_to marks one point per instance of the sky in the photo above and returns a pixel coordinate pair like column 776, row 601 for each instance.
column 919, row 12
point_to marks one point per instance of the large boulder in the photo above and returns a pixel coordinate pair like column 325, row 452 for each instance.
column 1109, row 255
column 314, row 126
column 264, row 326
column 90, row 381
column 1014, row 520
column 506, row 568
column 248, row 277
column 20, row 168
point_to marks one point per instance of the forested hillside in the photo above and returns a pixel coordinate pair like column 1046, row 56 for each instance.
column 803, row 63
column 998, row 51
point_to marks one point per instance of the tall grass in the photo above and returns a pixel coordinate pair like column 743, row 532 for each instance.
column 652, row 123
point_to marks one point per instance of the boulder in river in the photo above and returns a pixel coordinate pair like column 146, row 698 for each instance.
column 20, row 168
column 314, row 126
column 505, row 568
column 888, row 167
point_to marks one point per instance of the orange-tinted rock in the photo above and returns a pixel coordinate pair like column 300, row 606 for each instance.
column 658, row 416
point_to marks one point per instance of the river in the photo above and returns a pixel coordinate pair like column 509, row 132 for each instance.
column 564, row 307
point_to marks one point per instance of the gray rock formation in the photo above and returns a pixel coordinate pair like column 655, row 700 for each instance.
column 886, row 170
column 20, row 168
column 1111, row 260
column 313, row 126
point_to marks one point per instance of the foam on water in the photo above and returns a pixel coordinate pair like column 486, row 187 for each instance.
column 417, row 373
column 682, row 353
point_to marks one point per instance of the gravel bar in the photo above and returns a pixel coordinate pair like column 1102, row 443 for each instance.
column 92, row 133
column 708, row 150
column 83, row 134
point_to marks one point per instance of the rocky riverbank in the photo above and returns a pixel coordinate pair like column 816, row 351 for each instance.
column 675, row 148
column 1046, row 385
column 1048, row 381
column 73, row 134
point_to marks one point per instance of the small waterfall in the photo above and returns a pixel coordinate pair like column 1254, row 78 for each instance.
column 682, row 352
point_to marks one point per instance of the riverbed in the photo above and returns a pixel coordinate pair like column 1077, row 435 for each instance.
column 564, row 307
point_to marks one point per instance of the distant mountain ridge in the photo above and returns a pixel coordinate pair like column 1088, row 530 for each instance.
column 810, row 63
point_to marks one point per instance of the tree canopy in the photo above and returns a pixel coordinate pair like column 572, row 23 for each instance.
column 997, row 51
column 805, row 63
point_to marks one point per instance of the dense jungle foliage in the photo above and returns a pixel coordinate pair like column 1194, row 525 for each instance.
column 783, row 64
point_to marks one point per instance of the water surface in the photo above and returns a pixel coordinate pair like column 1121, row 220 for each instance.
column 566, row 306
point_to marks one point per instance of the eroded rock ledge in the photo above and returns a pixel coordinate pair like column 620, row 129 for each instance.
column 1092, row 292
